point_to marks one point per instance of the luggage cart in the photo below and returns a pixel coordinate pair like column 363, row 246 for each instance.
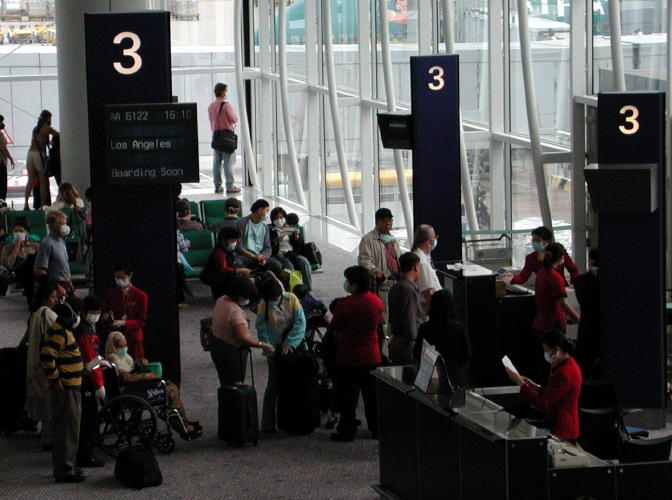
column 491, row 253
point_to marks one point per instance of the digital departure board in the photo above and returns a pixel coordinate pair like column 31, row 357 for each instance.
column 151, row 143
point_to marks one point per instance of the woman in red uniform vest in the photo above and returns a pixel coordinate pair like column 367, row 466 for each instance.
column 126, row 307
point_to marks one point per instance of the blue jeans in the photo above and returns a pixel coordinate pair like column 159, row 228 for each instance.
column 226, row 160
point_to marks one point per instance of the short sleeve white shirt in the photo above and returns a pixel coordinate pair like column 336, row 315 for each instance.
column 428, row 278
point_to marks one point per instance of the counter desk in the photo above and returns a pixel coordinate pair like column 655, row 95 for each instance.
column 434, row 447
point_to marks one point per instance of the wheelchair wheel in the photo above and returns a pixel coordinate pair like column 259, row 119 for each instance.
column 165, row 443
column 126, row 421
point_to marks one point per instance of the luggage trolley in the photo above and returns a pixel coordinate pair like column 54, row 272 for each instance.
column 491, row 253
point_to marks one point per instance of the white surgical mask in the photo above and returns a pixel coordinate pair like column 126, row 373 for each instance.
column 19, row 236
column 435, row 244
column 122, row 351
column 244, row 303
column 279, row 222
column 123, row 282
column 231, row 246
column 76, row 323
column 65, row 230
column 92, row 319
column 548, row 357
column 266, row 219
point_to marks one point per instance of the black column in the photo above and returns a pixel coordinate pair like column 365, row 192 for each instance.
column 128, row 61
column 435, row 102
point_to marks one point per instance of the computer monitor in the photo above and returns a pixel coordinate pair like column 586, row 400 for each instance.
column 396, row 130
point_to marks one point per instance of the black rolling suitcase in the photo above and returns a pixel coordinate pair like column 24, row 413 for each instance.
column 298, row 406
column 238, row 421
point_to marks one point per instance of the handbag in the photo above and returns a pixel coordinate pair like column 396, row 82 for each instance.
column 225, row 141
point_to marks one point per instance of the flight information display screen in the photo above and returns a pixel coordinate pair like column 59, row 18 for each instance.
column 151, row 143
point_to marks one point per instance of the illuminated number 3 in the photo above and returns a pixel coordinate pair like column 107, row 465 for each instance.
column 632, row 120
column 437, row 83
column 131, row 52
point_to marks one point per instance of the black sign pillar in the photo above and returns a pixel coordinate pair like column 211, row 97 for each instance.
column 128, row 61
column 627, row 190
column 436, row 151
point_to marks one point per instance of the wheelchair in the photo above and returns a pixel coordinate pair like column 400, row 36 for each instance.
column 138, row 413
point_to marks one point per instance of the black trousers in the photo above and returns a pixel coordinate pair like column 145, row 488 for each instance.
column 88, row 425
column 230, row 361
column 350, row 380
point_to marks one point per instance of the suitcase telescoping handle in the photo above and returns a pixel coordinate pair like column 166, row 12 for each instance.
column 251, row 367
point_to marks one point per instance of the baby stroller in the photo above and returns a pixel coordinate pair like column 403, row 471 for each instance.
column 131, row 413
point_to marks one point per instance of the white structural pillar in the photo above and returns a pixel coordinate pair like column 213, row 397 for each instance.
column 467, row 191
column 616, row 45
column 72, row 103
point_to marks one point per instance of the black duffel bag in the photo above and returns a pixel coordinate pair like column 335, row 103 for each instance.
column 225, row 141
column 137, row 467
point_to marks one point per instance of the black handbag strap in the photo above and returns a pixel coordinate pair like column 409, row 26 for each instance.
column 251, row 367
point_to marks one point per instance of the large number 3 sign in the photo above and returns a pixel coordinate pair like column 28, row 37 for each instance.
column 631, row 114
column 131, row 52
column 437, row 82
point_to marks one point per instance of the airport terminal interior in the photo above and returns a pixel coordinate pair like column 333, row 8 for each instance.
column 489, row 143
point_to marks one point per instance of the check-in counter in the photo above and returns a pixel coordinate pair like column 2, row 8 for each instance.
column 433, row 446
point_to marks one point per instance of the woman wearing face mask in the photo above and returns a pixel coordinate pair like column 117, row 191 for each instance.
column 19, row 257
column 231, row 339
column 37, row 157
column 126, row 307
column 288, row 245
column 280, row 323
column 541, row 238
column 559, row 400
column 116, row 352
column 93, row 388
column 37, row 386
column 355, row 321
column 221, row 269
column 424, row 241
column 550, row 293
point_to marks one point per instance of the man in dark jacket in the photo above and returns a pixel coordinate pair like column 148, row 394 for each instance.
column 405, row 311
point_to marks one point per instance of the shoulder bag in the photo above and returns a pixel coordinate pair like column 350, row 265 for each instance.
column 225, row 141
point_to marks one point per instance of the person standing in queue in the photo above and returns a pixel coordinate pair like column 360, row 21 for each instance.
column 93, row 388
column 231, row 339
column 406, row 313
column 559, row 400
column 542, row 237
column 424, row 241
column 222, row 117
column 52, row 256
column 280, row 323
column 356, row 320
column 379, row 253
column 126, row 307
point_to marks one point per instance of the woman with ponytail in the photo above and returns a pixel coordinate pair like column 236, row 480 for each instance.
column 559, row 400
column 550, row 293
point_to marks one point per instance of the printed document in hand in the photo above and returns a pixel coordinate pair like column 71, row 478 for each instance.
column 508, row 364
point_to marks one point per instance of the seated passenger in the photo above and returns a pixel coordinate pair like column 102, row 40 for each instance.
column 126, row 307
column 559, row 400
column 314, row 309
column 541, row 238
column 116, row 352
column 254, row 247
column 68, row 197
column 18, row 257
column 293, row 222
column 288, row 246
column 231, row 214
column 185, row 219
column 221, row 270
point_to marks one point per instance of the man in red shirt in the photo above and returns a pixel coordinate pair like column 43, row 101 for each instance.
column 222, row 117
